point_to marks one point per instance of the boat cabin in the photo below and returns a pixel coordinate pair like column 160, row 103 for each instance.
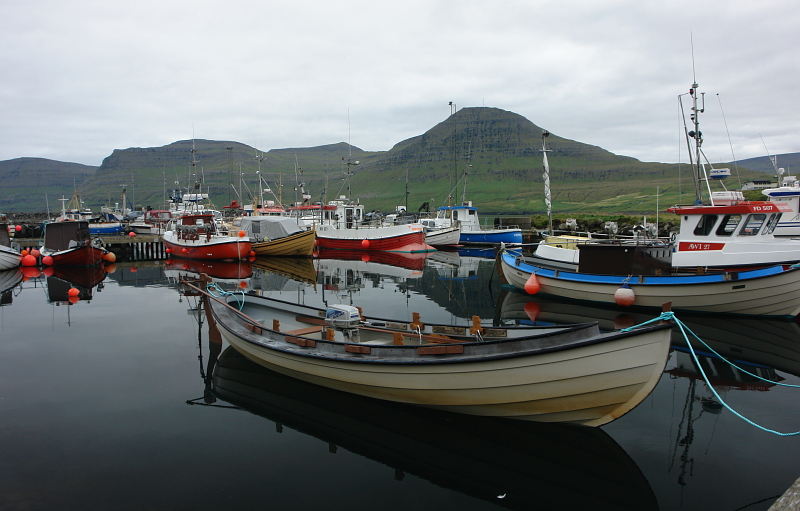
column 192, row 227
column 65, row 235
column 465, row 215
column 731, row 235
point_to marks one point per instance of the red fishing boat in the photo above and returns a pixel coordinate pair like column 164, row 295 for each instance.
column 196, row 237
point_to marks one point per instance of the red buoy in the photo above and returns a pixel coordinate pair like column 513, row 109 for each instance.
column 131, row 234
column 532, row 285
column 28, row 260
column 110, row 257
column 35, row 253
column 624, row 296
column 364, row 243
column 73, row 291
column 365, row 258
column 241, row 234
column 47, row 260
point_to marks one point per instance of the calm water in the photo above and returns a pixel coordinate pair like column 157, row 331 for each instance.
column 125, row 401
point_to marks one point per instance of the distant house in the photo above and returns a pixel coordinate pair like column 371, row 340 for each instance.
column 758, row 184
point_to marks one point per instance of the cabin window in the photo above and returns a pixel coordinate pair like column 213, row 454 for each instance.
column 705, row 225
column 728, row 225
column 752, row 225
column 455, row 215
column 772, row 223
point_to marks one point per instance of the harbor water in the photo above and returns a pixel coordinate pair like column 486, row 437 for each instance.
column 125, row 399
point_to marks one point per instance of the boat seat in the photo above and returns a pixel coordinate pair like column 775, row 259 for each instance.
column 304, row 331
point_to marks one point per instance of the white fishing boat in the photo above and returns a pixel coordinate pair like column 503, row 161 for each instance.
column 787, row 193
column 570, row 374
column 770, row 291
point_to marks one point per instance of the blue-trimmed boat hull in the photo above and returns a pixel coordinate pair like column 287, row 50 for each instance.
column 105, row 228
column 491, row 237
column 769, row 292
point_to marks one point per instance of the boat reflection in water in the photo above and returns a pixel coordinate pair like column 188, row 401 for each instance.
column 513, row 464
column 273, row 273
column 69, row 285
column 9, row 279
column 765, row 345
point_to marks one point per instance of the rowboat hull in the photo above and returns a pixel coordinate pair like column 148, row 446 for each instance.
column 84, row 255
column 486, row 457
column 491, row 236
column 9, row 258
column 297, row 244
column 574, row 375
column 218, row 247
column 443, row 237
column 773, row 291
column 399, row 238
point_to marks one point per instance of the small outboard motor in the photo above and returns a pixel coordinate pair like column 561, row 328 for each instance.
column 346, row 319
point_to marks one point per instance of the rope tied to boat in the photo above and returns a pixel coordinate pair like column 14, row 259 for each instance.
column 212, row 287
column 670, row 316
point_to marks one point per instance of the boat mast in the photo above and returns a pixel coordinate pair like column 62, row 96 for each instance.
column 546, row 177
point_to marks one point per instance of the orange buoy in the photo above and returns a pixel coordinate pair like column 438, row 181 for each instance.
column 131, row 234
column 47, row 260
column 110, row 257
column 134, row 269
column 532, row 285
column 252, row 253
column 242, row 284
column 624, row 295
column 241, row 234
column 73, row 291
column 110, row 268
column 73, row 299
column 28, row 260
column 364, row 243
column 24, row 252
column 168, row 251
column 532, row 310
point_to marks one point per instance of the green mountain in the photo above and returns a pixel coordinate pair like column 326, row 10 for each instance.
column 28, row 184
column 489, row 156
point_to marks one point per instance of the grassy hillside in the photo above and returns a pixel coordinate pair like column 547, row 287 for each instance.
column 28, row 184
column 496, row 153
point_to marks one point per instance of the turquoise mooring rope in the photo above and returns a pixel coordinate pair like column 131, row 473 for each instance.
column 214, row 287
column 667, row 316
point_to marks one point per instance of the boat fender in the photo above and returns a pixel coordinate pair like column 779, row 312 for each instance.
column 624, row 295
column 532, row 285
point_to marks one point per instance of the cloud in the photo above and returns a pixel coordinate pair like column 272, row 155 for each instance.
column 83, row 79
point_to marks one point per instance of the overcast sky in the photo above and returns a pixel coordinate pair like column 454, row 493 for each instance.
column 80, row 79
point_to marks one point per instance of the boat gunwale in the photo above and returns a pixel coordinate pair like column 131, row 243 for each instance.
column 244, row 334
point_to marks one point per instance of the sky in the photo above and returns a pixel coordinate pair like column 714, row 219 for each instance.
column 82, row 78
